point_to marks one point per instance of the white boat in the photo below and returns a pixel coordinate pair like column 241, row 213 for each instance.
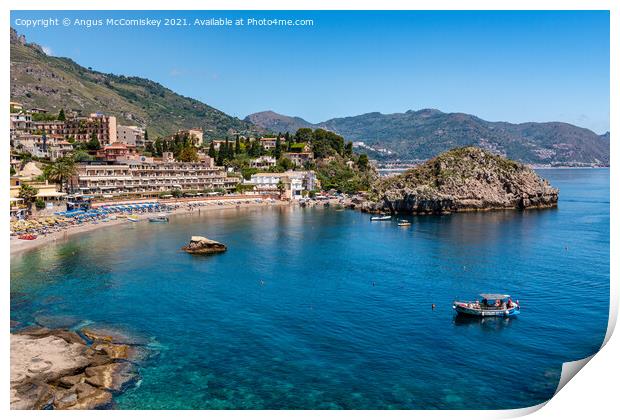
column 380, row 218
column 404, row 223
column 162, row 218
column 495, row 305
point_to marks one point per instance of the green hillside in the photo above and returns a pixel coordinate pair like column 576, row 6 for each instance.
column 53, row 83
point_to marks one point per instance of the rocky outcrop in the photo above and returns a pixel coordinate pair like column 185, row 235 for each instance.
column 53, row 368
column 464, row 179
column 202, row 245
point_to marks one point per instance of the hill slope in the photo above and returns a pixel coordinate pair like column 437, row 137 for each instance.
column 278, row 123
column 52, row 83
column 428, row 132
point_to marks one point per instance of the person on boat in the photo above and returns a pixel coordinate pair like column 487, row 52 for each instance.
column 510, row 302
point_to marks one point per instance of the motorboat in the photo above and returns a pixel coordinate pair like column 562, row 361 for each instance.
column 404, row 223
column 162, row 218
column 133, row 218
column 497, row 305
column 380, row 218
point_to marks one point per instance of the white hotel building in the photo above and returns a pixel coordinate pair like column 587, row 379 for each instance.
column 149, row 178
column 295, row 182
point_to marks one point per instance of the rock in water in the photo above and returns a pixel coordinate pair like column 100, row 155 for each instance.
column 202, row 245
column 463, row 179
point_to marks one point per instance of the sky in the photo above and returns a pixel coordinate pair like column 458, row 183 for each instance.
column 514, row 66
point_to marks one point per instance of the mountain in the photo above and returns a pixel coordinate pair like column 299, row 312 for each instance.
column 278, row 123
column 53, row 83
column 425, row 133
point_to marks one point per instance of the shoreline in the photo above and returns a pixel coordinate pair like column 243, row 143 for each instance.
column 18, row 246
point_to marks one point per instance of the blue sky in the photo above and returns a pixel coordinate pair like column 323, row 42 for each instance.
column 502, row 66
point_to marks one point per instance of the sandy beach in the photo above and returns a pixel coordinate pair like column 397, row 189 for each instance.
column 21, row 245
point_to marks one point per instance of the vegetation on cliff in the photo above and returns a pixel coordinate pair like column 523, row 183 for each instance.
column 463, row 179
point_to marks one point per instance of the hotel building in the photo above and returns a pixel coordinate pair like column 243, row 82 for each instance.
column 146, row 177
column 295, row 182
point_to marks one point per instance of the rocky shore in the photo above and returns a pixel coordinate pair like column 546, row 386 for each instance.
column 460, row 180
column 63, row 369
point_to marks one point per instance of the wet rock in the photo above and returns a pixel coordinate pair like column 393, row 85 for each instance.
column 82, row 396
column 69, row 381
column 56, row 369
column 111, row 377
column 31, row 395
column 114, row 351
column 56, row 321
column 202, row 245
column 110, row 335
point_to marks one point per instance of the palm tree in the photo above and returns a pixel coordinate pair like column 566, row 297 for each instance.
column 61, row 171
column 281, row 187
column 28, row 193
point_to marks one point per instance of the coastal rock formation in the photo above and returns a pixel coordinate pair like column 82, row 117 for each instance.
column 463, row 179
column 202, row 245
column 59, row 369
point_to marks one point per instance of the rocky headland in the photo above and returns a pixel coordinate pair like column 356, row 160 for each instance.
column 460, row 180
column 63, row 369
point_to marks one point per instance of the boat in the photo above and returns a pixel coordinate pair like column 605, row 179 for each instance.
column 162, row 218
column 380, row 218
column 497, row 305
column 404, row 223
column 133, row 218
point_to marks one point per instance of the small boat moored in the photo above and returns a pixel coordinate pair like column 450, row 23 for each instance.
column 162, row 218
column 133, row 218
column 380, row 218
column 497, row 305
column 404, row 223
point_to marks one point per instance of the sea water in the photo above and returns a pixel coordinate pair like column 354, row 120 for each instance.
column 320, row 308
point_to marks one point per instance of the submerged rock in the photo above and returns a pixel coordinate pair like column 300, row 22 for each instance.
column 112, row 377
column 202, row 245
column 464, row 179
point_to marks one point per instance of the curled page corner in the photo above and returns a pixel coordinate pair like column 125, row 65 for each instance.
column 569, row 370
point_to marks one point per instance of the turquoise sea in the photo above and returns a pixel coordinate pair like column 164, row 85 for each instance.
column 321, row 309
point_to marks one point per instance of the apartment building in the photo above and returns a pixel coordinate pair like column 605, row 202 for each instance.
column 130, row 134
column 194, row 134
column 82, row 128
column 263, row 162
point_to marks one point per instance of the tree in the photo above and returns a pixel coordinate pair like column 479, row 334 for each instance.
column 281, row 187
column 362, row 162
column 304, row 135
column 177, row 193
column 212, row 152
column 39, row 203
column 237, row 146
column 146, row 136
column 188, row 154
column 277, row 153
column 61, row 115
column 286, row 163
column 348, row 149
column 61, row 171
column 28, row 193
column 93, row 143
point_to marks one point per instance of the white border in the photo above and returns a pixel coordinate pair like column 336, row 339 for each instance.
column 593, row 394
